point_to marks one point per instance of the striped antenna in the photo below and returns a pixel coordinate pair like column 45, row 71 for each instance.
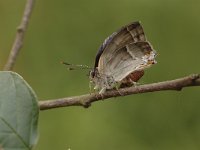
column 74, row 67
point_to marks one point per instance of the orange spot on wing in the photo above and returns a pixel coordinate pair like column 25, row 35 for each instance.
column 132, row 77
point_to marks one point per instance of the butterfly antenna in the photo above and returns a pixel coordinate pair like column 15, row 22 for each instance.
column 73, row 66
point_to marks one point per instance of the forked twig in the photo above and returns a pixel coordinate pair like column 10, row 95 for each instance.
column 86, row 100
column 18, row 42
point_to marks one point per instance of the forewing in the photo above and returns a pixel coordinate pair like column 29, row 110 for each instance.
column 126, row 35
column 133, row 56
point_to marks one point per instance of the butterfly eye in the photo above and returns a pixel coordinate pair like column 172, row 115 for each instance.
column 92, row 73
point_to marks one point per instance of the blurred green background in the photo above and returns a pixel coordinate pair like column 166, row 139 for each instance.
column 72, row 31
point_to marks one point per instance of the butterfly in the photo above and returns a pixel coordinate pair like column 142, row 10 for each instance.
column 122, row 58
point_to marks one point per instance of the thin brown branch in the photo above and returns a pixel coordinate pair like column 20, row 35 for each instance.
column 86, row 100
column 18, row 42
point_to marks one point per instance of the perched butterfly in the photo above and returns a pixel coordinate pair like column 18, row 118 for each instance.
column 122, row 58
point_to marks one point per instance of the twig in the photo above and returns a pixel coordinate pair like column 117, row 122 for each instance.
column 17, row 45
column 86, row 100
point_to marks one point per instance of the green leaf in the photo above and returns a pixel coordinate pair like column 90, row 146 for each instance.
column 18, row 113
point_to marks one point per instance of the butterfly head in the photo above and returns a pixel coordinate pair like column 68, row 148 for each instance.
column 101, row 82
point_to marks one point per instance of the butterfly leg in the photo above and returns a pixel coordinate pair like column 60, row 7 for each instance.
column 90, row 87
column 102, row 90
column 93, row 89
column 117, row 86
column 134, row 83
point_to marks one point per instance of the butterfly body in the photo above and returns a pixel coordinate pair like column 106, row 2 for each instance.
column 122, row 58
